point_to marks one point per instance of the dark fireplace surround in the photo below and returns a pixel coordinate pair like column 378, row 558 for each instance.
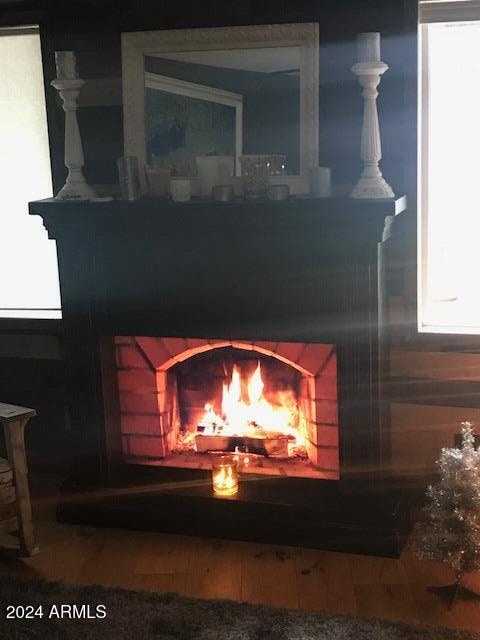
column 249, row 275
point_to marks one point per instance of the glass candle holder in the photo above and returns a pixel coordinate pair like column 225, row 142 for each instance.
column 256, row 170
column 225, row 476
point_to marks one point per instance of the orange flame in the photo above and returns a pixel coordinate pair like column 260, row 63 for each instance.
column 255, row 386
column 250, row 412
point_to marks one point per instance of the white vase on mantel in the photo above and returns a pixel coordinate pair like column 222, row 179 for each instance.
column 214, row 171
column 369, row 70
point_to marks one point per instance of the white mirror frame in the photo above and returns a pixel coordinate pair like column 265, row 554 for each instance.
column 136, row 45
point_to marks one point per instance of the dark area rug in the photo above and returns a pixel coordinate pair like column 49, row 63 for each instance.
column 138, row 615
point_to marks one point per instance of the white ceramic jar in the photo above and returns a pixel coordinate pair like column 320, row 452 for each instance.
column 180, row 189
column 213, row 171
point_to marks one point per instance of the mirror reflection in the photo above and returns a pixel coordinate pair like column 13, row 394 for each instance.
column 228, row 103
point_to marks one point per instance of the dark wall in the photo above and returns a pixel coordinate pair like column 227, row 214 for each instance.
column 32, row 374
column 93, row 30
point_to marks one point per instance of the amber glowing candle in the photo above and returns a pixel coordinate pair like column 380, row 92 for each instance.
column 224, row 476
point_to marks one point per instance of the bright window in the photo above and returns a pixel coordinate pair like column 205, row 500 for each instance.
column 29, row 285
column 449, row 212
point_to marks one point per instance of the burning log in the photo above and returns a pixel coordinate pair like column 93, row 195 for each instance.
column 268, row 444
column 215, row 443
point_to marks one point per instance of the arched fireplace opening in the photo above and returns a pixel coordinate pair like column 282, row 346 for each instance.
column 273, row 405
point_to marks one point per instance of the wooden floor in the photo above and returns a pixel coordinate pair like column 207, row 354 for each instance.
column 279, row 576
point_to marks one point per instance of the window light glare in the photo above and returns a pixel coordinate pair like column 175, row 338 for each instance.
column 28, row 263
column 450, row 300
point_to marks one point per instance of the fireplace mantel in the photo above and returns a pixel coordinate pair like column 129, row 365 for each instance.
column 304, row 270
column 135, row 264
column 362, row 217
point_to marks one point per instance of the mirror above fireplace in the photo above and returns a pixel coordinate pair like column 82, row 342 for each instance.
column 226, row 92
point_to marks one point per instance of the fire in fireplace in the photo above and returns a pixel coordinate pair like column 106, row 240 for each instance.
column 272, row 405
column 251, row 418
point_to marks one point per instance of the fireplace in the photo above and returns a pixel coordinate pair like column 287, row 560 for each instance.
column 272, row 404
column 247, row 329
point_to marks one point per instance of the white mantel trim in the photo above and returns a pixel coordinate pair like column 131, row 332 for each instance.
column 449, row 11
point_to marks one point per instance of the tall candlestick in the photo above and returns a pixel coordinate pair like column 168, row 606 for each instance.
column 369, row 70
column 68, row 86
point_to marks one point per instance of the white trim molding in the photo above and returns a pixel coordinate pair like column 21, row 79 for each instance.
column 447, row 11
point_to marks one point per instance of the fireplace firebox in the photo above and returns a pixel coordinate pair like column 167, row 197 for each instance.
column 250, row 328
column 272, row 404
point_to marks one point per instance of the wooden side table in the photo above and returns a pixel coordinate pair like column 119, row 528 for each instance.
column 14, row 419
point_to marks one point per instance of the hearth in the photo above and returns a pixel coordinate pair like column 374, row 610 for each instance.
column 176, row 356
column 184, row 401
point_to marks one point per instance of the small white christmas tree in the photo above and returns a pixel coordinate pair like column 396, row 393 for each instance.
column 450, row 532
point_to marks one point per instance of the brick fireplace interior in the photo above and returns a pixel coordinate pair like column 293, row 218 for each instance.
column 272, row 404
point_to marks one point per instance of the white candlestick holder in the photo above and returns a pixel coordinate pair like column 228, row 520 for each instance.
column 75, row 186
column 371, row 183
